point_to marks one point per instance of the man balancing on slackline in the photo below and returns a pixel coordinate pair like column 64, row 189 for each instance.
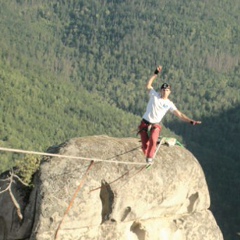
column 158, row 105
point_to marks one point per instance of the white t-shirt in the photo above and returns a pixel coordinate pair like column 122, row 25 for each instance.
column 157, row 107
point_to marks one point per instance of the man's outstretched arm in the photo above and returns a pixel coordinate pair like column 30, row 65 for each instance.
column 184, row 118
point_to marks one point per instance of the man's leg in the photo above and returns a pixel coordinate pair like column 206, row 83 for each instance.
column 155, row 132
column 143, row 131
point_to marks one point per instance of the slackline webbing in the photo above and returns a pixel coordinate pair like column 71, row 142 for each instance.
column 66, row 156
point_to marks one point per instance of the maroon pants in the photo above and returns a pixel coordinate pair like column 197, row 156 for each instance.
column 149, row 139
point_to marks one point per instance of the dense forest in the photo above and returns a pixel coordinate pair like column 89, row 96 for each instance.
column 79, row 67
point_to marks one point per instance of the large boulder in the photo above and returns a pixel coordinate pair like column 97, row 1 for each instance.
column 122, row 201
column 113, row 197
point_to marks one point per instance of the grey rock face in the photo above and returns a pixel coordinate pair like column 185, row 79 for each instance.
column 116, row 201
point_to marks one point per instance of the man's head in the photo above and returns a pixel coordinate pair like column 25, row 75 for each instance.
column 165, row 90
column 165, row 86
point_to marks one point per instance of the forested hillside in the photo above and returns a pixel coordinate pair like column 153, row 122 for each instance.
column 79, row 67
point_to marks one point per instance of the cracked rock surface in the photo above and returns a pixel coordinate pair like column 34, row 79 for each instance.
column 116, row 201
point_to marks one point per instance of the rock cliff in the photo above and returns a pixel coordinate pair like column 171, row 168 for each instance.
column 77, row 199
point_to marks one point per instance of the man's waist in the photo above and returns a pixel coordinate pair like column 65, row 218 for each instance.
column 147, row 122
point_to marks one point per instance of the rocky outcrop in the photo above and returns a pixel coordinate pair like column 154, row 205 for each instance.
column 108, row 200
column 17, row 206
